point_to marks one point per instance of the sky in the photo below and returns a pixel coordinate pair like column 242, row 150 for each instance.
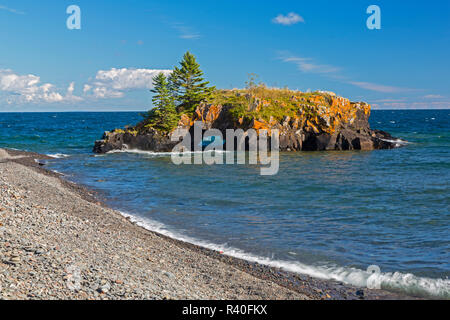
column 108, row 64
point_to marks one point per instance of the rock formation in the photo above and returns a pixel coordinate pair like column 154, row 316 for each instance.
column 306, row 121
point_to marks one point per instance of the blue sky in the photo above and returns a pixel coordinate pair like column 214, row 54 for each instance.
column 306, row 45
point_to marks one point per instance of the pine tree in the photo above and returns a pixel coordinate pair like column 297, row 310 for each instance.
column 188, row 85
column 164, row 116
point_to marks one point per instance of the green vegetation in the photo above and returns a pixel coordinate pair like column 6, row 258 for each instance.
column 251, row 82
column 261, row 102
column 164, row 116
column 188, row 86
column 179, row 93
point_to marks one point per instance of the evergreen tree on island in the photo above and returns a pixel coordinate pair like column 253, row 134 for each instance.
column 188, row 85
column 164, row 116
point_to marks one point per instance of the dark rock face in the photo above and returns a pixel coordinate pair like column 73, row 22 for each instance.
column 295, row 134
column 348, row 139
column 150, row 141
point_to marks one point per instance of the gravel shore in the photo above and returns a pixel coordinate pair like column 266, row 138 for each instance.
column 58, row 242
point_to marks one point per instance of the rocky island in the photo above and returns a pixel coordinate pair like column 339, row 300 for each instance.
column 316, row 121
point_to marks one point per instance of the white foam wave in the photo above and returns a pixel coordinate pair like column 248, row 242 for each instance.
column 405, row 283
column 398, row 142
column 57, row 172
column 58, row 155
column 168, row 154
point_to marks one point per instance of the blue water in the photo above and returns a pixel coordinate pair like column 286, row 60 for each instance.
column 328, row 214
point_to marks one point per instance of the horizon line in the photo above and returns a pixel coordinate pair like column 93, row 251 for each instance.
column 112, row 111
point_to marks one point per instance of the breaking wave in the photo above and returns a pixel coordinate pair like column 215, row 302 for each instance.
column 168, row 154
column 398, row 142
column 392, row 281
column 58, row 155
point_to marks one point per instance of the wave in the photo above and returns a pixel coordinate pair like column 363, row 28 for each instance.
column 398, row 142
column 58, row 155
column 393, row 281
column 152, row 153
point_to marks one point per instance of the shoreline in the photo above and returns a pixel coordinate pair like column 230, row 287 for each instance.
column 237, row 275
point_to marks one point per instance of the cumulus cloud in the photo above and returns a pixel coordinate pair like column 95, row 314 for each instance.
column 114, row 83
column 87, row 88
column 70, row 97
column 18, row 89
column 71, row 89
column 28, row 89
column 290, row 19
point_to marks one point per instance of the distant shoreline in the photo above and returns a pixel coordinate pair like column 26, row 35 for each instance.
column 210, row 274
column 137, row 111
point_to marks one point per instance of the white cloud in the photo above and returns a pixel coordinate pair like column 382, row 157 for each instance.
column 28, row 89
column 390, row 100
column 13, row 83
column 415, row 105
column 434, row 96
column 70, row 97
column 87, row 88
column 186, row 32
column 71, row 88
column 290, row 19
column 308, row 65
column 379, row 87
column 106, row 93
column 114, row 82
column 18, row 89
column 11, row 10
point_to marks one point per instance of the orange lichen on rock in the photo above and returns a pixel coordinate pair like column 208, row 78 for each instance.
column 341, row 112
column 266, row 108
column 207, row 113
column 185, row 121
column 259, row 125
